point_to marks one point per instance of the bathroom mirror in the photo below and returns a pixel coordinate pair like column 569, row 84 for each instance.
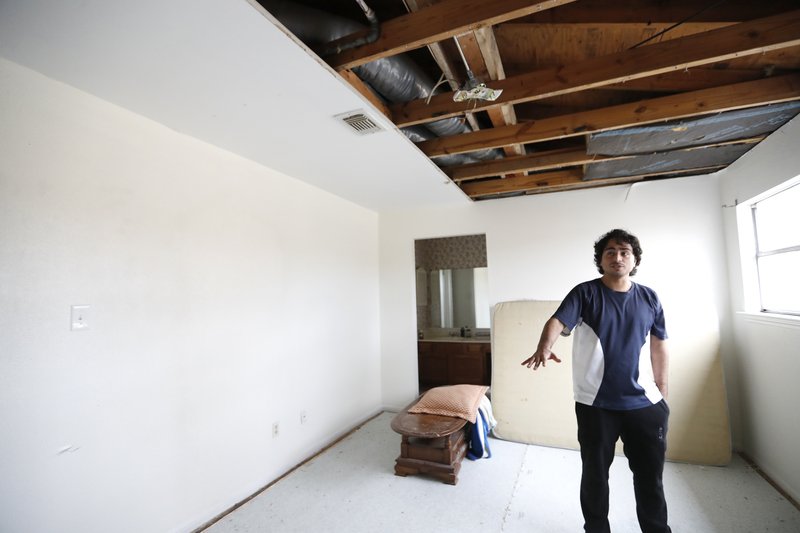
column 452, row 284
column 459, row 298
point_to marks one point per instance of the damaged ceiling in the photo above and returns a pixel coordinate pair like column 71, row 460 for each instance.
column 594, row 92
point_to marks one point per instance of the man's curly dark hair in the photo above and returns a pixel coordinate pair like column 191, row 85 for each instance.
column 619, row 235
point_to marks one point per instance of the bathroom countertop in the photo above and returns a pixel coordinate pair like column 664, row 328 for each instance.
column 457, row 339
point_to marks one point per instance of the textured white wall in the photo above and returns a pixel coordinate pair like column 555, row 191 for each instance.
column 540, row 246
column 224, row 296
column 766, row 362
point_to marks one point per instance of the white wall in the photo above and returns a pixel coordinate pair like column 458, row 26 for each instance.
column 766, row 350
column 540, row 246
column 224, row 296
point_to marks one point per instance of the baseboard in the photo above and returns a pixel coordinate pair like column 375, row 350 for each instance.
column 333, row 442
column 749, row 460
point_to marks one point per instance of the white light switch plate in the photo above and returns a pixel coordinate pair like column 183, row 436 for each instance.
column 79, row 317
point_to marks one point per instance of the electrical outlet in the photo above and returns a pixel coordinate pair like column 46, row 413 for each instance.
column 303, row 417
column 275, row 429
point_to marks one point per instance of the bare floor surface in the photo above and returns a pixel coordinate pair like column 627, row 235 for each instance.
column 351, row 487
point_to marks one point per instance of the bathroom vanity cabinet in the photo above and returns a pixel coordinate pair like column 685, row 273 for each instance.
column 453, row 362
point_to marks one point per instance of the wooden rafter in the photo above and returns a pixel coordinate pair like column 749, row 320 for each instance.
column 443, row 60
column 488, row 70
column 633, row 11
column 549, row 160
column 524, row 183
column 553, row 159
column 486, row 48
column 738, row 40
column 585, row 67
column 435, row 23
column 562, row 180
column 727, row 98
column 687, row 80
column 483, row 59
column 366, row 92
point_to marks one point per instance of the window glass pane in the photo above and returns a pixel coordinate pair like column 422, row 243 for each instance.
column 780, row 287
column 778, row 220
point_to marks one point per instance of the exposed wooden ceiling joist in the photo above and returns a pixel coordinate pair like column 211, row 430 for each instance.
column 632, row 11
column 569, row 69
column 746, row 38
column 436, row 23
column 729, row 97
column 486, row 48
column 366, row 92
column 550, row 160
column 688, row 80
column 555, row 178
column 482, row 57
column 561, row 180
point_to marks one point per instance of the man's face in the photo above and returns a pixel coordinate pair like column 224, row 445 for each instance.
column 618, row 259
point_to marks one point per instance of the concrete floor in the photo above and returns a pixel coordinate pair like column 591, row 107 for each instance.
column 351, row 488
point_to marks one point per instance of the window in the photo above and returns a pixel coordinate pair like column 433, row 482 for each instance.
column 776, row 221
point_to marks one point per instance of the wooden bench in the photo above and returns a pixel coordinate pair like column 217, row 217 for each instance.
column 431, row 444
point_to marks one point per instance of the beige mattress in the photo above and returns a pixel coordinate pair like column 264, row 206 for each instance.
column 538, row 407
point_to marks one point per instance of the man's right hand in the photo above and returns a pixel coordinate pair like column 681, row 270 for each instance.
column 540, row 358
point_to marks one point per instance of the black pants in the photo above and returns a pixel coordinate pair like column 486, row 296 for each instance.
column 644, row 436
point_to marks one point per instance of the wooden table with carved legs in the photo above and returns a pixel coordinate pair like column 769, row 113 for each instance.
column 431, row 444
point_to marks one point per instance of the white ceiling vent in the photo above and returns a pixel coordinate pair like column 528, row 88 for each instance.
column 359, row 122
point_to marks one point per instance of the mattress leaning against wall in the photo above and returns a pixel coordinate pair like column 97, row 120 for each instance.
column 538, row 407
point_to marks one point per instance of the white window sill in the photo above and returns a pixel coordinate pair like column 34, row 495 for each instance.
column 788, row 321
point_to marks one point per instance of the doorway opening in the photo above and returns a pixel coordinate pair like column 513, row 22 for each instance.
column 453, row 313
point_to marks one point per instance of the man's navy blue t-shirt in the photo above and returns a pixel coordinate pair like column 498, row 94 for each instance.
column 609, row 367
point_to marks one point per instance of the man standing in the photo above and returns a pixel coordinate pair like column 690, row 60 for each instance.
column 619, row 392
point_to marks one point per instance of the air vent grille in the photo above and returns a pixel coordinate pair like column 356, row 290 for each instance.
column 360, row 122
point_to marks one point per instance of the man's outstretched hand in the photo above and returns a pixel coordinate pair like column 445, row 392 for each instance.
column 540, row 359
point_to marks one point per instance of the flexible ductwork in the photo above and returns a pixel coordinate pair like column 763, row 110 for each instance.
column 371, row 37
column 420, row 133
column 395, row 78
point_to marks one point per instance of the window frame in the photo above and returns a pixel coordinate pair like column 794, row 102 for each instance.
column 753, row 252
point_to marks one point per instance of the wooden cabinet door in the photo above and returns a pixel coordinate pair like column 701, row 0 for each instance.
column 466, row 368
column 453, row 363
column 468, row 364
column 433, row 366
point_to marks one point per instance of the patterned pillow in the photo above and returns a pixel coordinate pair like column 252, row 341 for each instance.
column 460, row 401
